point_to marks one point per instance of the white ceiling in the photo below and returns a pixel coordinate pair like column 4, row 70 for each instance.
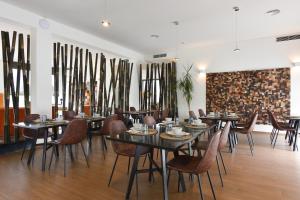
column 202, row 22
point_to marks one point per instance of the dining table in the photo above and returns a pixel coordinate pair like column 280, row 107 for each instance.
column 218, row 119
column 44, row 127
column 160, row 143
column 38, row 127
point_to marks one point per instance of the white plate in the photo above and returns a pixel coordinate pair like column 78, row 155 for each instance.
column 171, row 133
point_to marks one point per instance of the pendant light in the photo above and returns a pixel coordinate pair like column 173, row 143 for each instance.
column 105, row 22
column 236, row 10
column 176, row 24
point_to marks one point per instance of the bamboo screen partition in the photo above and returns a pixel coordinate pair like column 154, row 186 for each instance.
column 89, row 70
column 12, row 84
column 158, row 87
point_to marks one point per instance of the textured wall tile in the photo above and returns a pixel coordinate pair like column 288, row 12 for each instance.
column 245, row 91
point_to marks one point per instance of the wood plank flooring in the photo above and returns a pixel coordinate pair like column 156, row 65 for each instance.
column 269, row 174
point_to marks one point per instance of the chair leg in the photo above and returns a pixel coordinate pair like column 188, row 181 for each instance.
column 199, row 185
column 137, row 185
column 86, row 158
column 112, row 172
column 222, row 162
column 169, row 174
column 276, row 136
column 252, row 139
column 103, row 146
column 65, row 159
column 51, row 158
column 144, row 161
column 250, row 144
column 211, row 186
column 24, row 148
column 219, row 171
column 128, row 168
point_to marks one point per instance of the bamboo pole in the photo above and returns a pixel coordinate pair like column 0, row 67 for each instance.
column 70, row 107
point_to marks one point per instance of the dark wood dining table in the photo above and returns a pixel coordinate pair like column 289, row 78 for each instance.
column 218, row 119
column 163, row 145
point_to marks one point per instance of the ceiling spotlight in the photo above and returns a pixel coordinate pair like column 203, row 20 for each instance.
column 154, row 36
column 176, row 23
column 273, row 12
column 105, row 23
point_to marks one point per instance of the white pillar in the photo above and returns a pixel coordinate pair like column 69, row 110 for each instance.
column 41, row 80
column 295, row 94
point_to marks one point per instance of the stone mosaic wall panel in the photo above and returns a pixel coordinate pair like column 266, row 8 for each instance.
column 245, row 91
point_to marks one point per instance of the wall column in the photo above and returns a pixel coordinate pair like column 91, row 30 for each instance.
column 41, row 80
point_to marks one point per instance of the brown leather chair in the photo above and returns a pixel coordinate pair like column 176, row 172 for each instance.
column 201, row 113
column 116, row 127
column 203, row 145
column 69, row 115
column 248, row 132
column 30, row 135
column 149, row 121
column 279, row 126
column 102, row 132
column 192, row 115
column 156, row 116
column 198, row 165
column 165, row 113
column 74, row 133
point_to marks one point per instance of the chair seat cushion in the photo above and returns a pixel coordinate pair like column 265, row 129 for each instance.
column 184, row 163
column 201, row 145
column 129, row 150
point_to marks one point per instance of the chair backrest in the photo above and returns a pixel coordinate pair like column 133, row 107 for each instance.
column 132, row 109
column 201, row 113
column 253, row 123
column 224, row 135
column 69, row 115
column 273, row 120
column 30, row 119
column 210, row 154
column 75, row 132
column 149, row 121
column 192, row 114
column 165, row 113
column 105, row 128
column 156, row 115
column 119, row 112
column 116, row 127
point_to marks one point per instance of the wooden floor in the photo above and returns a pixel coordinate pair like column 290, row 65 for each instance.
column 269, row 174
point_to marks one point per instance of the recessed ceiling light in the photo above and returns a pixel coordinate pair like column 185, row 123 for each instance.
column 105, row 23
column 154, row 36
column 273, row 12
column 176, row 23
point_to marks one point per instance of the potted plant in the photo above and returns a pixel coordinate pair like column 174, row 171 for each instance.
column 185, row 85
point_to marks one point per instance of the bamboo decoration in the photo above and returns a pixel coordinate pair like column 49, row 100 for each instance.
column 162, row 76
column 11, row 83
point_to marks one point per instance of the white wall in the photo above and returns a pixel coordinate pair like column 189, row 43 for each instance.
column 260, row 53
column 41, row 90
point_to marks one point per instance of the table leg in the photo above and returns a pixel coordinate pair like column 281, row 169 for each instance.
column 164, row 173
column 296, row 135
column 133, row 171
column 44, row 150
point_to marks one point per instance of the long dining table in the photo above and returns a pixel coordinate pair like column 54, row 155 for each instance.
column 163, row 145
column 294, row 122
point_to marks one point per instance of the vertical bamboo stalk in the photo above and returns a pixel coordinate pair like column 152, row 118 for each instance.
column 26, row 78
column 70, row 107
column 5, row 52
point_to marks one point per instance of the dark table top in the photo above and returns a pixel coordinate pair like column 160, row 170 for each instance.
column 221, row 117
column 139, row 112
column 54, row 123
column 40, row 125
column 293, row 117
column 156, row 141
